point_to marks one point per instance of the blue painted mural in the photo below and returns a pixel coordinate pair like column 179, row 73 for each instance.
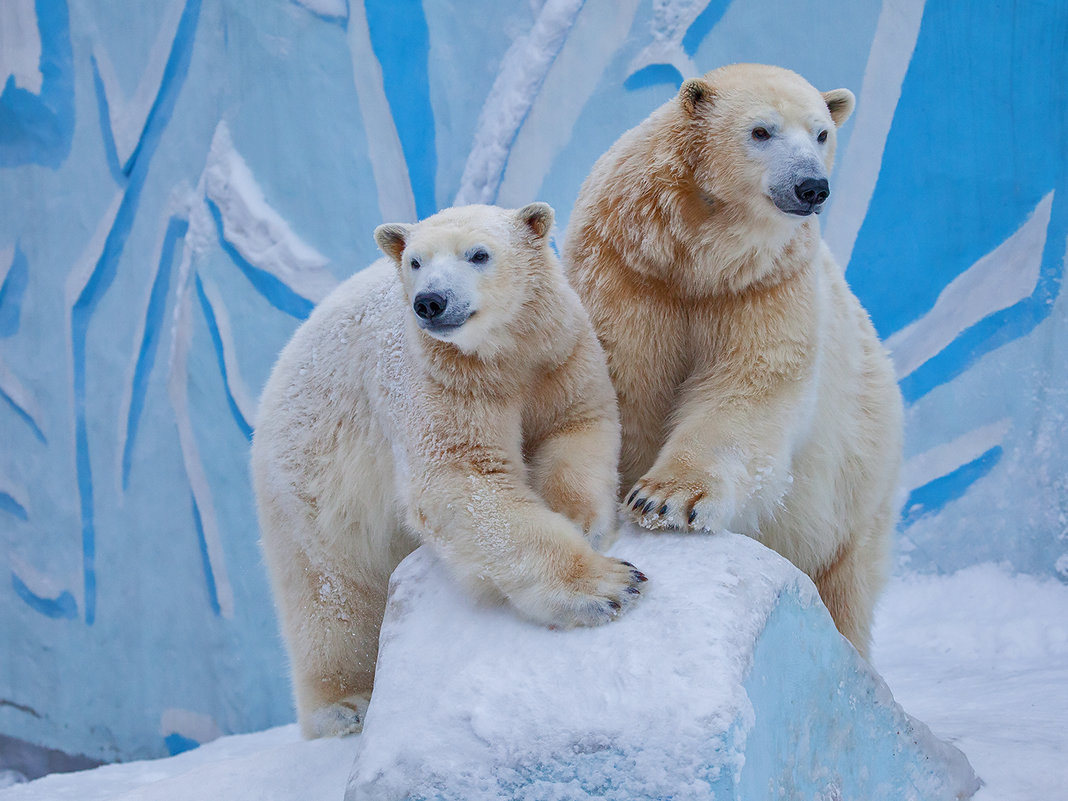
column 182, row 181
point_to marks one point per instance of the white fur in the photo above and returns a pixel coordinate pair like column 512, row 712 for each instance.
column 495, row 444
column 754, row 393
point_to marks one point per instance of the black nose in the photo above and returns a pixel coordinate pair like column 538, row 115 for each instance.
column 429, row 305
column 813, row 190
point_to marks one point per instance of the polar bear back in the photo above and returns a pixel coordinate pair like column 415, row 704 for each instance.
column 334, row 416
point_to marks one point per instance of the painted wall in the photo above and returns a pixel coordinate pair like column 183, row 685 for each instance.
column 180, row 181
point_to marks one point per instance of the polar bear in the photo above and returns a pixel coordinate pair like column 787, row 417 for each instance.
column 453, row 394
column 754, row 394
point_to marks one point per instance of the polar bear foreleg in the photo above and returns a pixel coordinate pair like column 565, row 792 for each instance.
column 574, row 471
column 501, row 540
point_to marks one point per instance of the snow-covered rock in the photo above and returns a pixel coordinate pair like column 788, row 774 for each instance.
column 729, row 680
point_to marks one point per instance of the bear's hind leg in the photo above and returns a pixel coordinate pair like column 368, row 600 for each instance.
column 851, row 584
column 333, row 643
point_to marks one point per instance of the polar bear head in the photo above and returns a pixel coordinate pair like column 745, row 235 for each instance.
column 762, row 138
column 469, row 271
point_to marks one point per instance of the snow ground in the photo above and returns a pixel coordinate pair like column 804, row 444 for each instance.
column 980, row 656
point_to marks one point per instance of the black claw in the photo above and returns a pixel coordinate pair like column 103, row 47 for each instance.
column 638, row 504
column 639, row 576
column 630, row 497
column 615, row 606
column 647, row 507
column 625, row 562
column 633, row 590
column 663, row 510
column 693, row 516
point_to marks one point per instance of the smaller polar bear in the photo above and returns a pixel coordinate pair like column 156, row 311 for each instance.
column 753, row 391
column 455, row 395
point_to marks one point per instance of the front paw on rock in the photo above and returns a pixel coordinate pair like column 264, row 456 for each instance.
column 617, row 587
column 675, row 505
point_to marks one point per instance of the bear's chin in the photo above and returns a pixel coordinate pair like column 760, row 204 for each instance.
column 793, row 210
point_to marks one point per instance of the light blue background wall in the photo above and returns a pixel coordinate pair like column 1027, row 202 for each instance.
column 181, row 180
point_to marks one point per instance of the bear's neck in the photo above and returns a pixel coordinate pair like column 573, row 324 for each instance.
column 673, row 233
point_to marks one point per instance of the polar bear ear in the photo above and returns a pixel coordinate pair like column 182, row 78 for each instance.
column 840, row 102
column 391, row 237
column 538, row 217
column 694, row 92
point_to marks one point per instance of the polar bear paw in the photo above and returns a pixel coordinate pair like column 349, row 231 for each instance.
column 680, row 501
column 340, row 718
column 616, row 586
column 589, row 590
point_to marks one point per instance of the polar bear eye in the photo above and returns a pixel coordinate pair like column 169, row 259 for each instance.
column 415, row 264
column 822, row 137
column 761, row 134
column 480, row 256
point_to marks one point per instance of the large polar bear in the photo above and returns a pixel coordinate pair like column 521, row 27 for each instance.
column 453, row 394
column 753, row 392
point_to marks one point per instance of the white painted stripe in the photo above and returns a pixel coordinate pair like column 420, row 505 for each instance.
column 128, row 117
column 944, row 459
column 7, row 260
column 23, row 398
column 234, row 382
column 670, row 21
column 326, row 8
column 178, row 389
column 888, row 61
column 395, row 199
column 595, row 39
column 1004, row 276
column 20, row 45
column 192, row 725
column 9, row 487
column 76, row 281
column 255, row 229
column 522, row 73
column 40, row 584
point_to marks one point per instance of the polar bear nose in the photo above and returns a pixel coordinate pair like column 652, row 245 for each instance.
column 429, row 305
column 813, row 190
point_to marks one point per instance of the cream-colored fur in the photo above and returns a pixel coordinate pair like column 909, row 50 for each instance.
column 495, row 441
column 754, row 394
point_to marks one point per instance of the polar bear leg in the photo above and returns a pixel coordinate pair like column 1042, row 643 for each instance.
column 853, row 581
column 332, row 624
column 574, row 472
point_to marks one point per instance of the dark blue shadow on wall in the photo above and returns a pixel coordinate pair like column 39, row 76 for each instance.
column 933, row 496
column 11, row 292
column 274, row 290
column 146, row 354
column 62, row 607
column 209, row 577
column 220, row 358
column 177, row 744
column 38, row 128
column 401, row 42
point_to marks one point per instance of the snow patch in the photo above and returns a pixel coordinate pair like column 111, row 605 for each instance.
column 255, row 229
column 522, row 74
column 671, row 19
column 729, row 677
